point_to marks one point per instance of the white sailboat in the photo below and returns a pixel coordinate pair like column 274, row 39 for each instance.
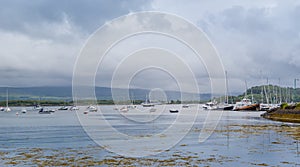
column 225, row 105
column 7, row 109
column 147, row 104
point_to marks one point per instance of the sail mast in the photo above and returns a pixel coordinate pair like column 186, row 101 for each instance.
column 226, row 96
column 7, row 97
column 246, row 89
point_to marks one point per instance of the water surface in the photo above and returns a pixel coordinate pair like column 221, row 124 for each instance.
column 241, row 138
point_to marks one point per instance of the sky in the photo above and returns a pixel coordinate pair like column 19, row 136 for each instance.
column 41, row 39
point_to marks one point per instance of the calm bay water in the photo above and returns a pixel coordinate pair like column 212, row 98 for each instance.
column 241, row 138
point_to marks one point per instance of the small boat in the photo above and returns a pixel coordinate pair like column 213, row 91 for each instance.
column 46, row 111
column 212, row 105
column 131, row 106
column 147, row 103
column 63, row 108
column 92, row 108
column 74, row 108
column 174, row 111
column 268, row 107
column 37, row 107
column 264, row 107
column 185, row 106
column 124, row 109
column 24, row 111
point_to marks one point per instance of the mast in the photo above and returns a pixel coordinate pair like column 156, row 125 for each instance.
column 266, row 93
column 262, row 88
column 246, row 89
column 226, row 95
column 7, row 98
column 280, row 98
column 252, row 96
column 262, row 94
column 269, row 92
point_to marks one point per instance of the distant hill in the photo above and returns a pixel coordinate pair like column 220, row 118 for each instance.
column 65, row 93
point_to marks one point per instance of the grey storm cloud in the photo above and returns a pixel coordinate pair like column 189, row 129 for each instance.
column 16, row 15
column 40, row 40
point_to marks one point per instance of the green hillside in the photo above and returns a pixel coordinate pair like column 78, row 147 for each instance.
column 267, row 93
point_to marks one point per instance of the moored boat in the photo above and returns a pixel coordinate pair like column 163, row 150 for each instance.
column 92, row 108
column 225, row 106
column 37, row 107
column 212, row 105
column 46, row 111
column 74, row 108
column 174, row 110
column 124, row 109
column 24, row 111
column 246, row 104
column 147, row 103
column 185, row 106
column 63, row 108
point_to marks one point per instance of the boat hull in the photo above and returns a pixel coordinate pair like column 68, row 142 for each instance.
column 251, row 107
column 174, row 111
column 228, row 108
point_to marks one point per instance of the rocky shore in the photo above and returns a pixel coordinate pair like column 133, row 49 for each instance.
column 284, row 113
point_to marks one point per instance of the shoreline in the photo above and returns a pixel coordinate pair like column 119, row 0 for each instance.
column 283, row 115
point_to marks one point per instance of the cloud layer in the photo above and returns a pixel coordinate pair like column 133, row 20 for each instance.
column 40, row 40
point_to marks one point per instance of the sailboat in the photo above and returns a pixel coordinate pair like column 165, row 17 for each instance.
column 38, row 107
column 226, row 105
column 147, row 104
column 91, row 108
column 7, row 109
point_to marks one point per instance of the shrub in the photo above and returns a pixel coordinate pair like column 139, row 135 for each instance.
column 284, row 105
column 297, row 106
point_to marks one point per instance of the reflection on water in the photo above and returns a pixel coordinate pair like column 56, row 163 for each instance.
column 241, row 138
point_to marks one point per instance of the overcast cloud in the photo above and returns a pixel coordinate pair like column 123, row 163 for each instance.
column 40, row 40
